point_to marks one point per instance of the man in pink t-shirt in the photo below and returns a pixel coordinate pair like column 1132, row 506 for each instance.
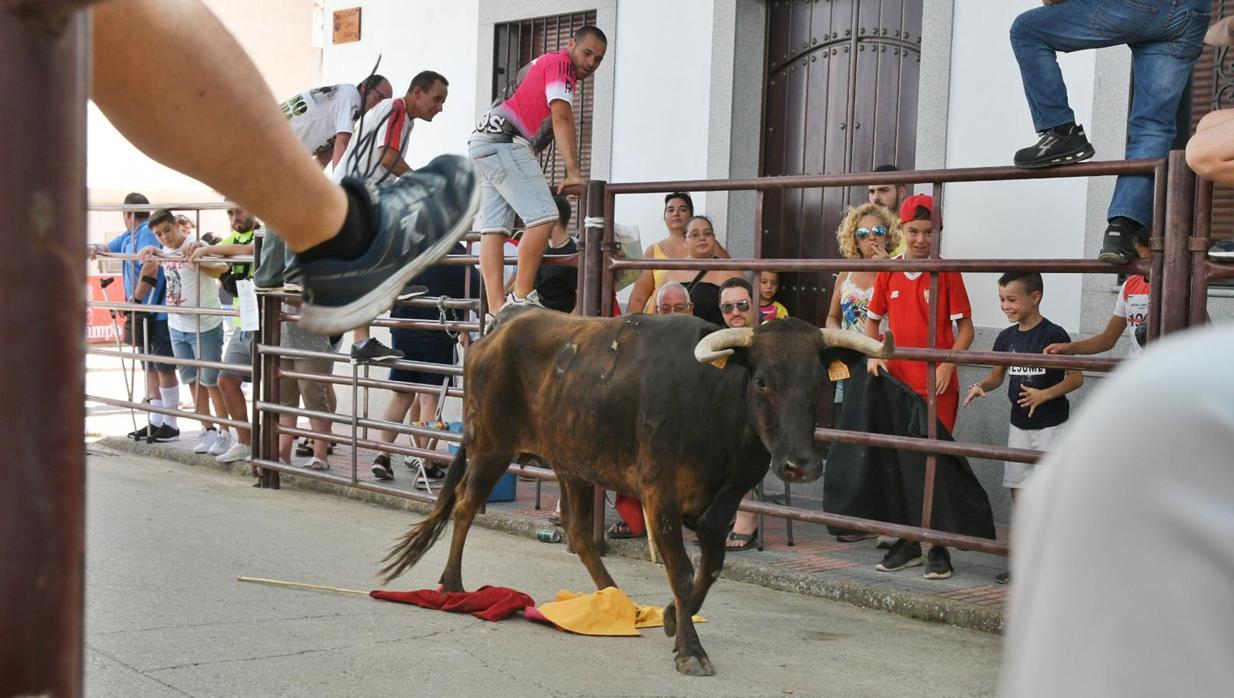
column 511, row 181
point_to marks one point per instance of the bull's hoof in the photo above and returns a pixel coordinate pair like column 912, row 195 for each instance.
column 670, row 620
column 695, row 666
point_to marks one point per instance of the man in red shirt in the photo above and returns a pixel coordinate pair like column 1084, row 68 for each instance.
column 903, row 299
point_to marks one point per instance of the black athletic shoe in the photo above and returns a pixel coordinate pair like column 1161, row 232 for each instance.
column 141, row 434
column 417, row 219
column 1118, row 245
column 1222, row 251
column 382, row 469
column 372, row 349
column 1057, row 146
column 938, row 563
column 433, row 474
column 165, row 432
column 903, row 554
column 1002, row 578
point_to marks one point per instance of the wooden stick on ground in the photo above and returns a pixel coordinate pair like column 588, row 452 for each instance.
column 301, row 585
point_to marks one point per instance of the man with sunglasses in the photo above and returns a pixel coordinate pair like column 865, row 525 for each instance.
column 737, row 307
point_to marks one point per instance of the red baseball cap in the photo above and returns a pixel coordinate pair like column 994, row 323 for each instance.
column 908, row 209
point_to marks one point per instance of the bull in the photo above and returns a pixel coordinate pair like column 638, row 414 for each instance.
column 665, row 408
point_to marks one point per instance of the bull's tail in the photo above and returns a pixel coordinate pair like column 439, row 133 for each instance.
column 420, row 537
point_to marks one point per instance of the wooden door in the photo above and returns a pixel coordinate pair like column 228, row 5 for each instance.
column 841, row 96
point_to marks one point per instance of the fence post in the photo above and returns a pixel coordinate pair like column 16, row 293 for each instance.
column 42, row 211
column 1198, row 245
column 594, row 305
column 268, row 447
column 1175, row 282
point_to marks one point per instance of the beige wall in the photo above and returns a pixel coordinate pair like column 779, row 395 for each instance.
column 277, row 34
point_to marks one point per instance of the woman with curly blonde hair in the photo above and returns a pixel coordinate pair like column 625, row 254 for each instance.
column 868, row 231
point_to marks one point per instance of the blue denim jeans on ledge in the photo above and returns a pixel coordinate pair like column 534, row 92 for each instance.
column 1165, row 37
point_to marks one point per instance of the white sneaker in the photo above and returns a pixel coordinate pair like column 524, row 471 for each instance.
column 222, row 443
column 532, row 298
column 206, row 440
column 237, row 452
column 316, row 463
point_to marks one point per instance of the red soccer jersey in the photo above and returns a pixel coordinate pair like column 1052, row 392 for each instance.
column 901, row 298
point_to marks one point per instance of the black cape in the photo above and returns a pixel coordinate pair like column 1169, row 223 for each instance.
column 889, row 484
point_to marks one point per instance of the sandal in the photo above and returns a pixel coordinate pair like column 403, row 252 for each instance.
column 742, row 541
column 620, row 530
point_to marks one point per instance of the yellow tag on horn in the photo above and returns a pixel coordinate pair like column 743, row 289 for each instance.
column 720, row 362
column 837, row 370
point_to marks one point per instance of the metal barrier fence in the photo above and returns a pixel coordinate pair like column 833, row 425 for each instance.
column 1178, row 270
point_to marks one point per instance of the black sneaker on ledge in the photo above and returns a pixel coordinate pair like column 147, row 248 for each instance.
column 417, row 220
column 371, row 349
column 1222, row 251
column 903, row 554
column 382, row 469
column 1118, row 244
column 938, row 563
column 1061, row 145
column 164, row 433
column 142, row 433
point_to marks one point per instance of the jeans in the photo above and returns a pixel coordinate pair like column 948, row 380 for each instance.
column 1165, row 37
column 184, row 346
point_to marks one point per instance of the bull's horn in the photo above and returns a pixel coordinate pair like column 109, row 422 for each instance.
column 720, row 344
column 859, row 342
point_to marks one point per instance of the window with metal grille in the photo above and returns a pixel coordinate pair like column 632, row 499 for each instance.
column 515, row 44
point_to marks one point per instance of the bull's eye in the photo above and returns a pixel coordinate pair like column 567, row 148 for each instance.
column 760, row 383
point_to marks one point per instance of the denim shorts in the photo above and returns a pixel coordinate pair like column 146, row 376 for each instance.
column 184, row 346
column 239, row 352
column 511, row 183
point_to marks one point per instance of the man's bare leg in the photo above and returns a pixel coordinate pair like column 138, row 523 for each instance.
column 235, row 404
column 530, row 251
column 203, row 71
column 492, row 268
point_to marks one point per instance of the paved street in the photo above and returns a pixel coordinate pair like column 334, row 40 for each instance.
column 166, row 616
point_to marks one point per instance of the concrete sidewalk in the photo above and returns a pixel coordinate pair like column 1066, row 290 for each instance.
column 815, row 565
column 166, row 616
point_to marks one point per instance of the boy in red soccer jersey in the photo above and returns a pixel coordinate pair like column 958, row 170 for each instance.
column 902, row 297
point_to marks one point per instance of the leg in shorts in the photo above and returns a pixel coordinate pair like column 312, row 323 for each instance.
column 239, row 352
column 159, row 343
column 1015, row 475
column 184, row 346
column 511, row 183
column 313, row 392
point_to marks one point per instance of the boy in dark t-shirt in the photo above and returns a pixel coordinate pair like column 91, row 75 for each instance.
column 557, row 284
column 1039, row 407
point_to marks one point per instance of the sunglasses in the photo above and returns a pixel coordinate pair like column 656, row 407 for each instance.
column 727, row 308
column 674, row 309
column 863, row 233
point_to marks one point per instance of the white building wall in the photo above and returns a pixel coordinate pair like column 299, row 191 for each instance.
column 660, row 104
column 988, row 121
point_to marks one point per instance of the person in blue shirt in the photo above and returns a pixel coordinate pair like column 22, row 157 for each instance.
column 144, row 283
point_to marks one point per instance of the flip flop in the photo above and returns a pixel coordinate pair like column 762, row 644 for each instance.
column 744, row 541
column 620, row 530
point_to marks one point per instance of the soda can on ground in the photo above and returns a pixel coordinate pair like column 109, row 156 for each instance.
column 548, row 535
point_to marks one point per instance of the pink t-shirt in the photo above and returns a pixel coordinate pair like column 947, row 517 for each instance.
column 550, row 77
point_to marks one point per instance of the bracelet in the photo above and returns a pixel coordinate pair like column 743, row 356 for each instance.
column 153, row 281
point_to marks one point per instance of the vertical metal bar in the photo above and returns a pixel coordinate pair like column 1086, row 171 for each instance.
column 592, row 267
column 355, row 447
column 936, row 246
column 1157, row 245
column 1180, row 196
column 271, row 331
column 43, row 498
column 603, row 309
column 1199, row 254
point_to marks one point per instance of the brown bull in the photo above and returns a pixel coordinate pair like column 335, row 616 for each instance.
column 665, row 408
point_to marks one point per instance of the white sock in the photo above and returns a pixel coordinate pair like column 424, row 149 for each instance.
column 171, row 398
column 156, row 419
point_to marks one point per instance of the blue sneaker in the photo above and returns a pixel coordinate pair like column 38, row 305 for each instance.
column 417, row 219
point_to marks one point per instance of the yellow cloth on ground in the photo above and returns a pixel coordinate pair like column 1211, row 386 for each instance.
column 607, row 612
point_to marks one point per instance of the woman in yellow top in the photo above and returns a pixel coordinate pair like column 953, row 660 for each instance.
column 678, row 209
